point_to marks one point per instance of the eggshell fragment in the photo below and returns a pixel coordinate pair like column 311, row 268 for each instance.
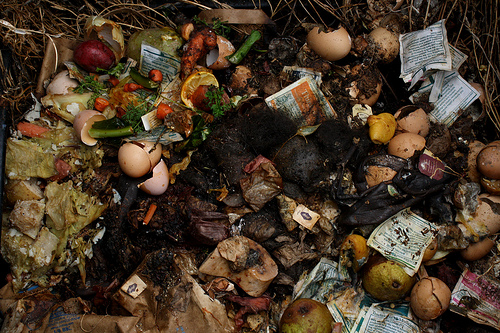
column 430, row 298
column 138, row 158
column 331, row 45
column 375, row 175
column 474, row 148
column 366, row 86
column 405, row 145
column 477, row 250
column 416, row 121
column 61, row 84
column 431, row 250
column 488, row 160
column 158, row 183
column 83, row 122
column 216, row 58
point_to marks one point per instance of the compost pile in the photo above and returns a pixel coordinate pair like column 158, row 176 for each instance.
column 205, row 166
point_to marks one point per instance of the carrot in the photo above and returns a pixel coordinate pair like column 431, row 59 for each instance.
column 149, row 214
column 163, row 110
column 129, row 87
column 31, row 130
column 199, row 44
column 114, row 81
column 155, row 75
column 100, row 104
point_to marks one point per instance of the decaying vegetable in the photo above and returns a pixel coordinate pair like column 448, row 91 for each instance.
column 199, row 44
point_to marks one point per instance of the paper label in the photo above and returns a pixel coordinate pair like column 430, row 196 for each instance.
column 403, row 238
column 378, row 319
column 134, row 286
column 152, row 58
column 305, row 217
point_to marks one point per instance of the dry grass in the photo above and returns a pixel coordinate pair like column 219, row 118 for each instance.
column 475, row 32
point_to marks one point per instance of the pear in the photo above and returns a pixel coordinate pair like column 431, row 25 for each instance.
column 385, row 280
column 306, row 315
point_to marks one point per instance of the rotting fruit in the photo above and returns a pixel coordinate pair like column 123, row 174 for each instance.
column 385, row 280
column 306, row 315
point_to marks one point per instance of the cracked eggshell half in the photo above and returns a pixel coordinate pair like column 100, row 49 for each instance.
column 61, row 84
column 216, row 58
column 331, row 44
column 405, row 145
column 158, row 183
column 413, row 120
column 83, row 122
column 137, row 158
column 488, row 160
column 430, row 298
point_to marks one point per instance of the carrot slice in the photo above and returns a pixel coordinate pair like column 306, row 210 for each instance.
column 31, row 130
column 149, row 214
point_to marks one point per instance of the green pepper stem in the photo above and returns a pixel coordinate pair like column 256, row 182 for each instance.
column 238, row 56
column 111, row 133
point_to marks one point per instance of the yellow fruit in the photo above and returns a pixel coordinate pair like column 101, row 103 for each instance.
column 192, row 82
column 385, row 280
column 354, row 251
column 381, row 127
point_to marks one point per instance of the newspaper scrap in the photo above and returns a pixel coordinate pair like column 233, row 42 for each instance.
column 380, row 319
column 303, row 102
column 305, row 217
column 455, row 96
column 294, row 73
column 403, row 239
column 346, row 307
column 424, row 51
column 477, row 297
column 152, row 58
column 323, row 283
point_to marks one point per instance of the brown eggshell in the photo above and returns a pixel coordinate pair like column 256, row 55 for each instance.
column 331, row 45
column 375, row 175
column 83, row 122
column 477, row 250
column 405, row 145
column 488, row 213
column 138, row 158
column 488, row 160
column 474, row 148
column 240, row 81
column 158, row 183
column 415, row 122
column 367, row 88
column 383, row 44
column 216, row 58
column 430, row 298
column 492, row 186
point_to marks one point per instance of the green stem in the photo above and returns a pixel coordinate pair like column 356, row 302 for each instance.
column 111, row 133
column 237, row 56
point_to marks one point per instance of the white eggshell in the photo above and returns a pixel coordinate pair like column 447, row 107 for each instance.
column 216, row 58
column 158, row 183
column 61, row 84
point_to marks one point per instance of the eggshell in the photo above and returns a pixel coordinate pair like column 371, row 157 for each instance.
column 158, row 183
column 83, row 122
column 477, row 250
column 367, row 88
column 138, row 158
column 430, row 298
column 61, row 84
column 216, row 58
column 377, row 174
column 488, row 213
column 405, row 145
column 331, row 45
column 416, row 121
column 474, row 148
column 384, row 44
column 488, row 160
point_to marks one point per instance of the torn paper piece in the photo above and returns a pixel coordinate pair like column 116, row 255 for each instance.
column 403, row 238
column 305, row 217
column 134, row 286
column 303, row 102
column 379, row 319
column 424, row 51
